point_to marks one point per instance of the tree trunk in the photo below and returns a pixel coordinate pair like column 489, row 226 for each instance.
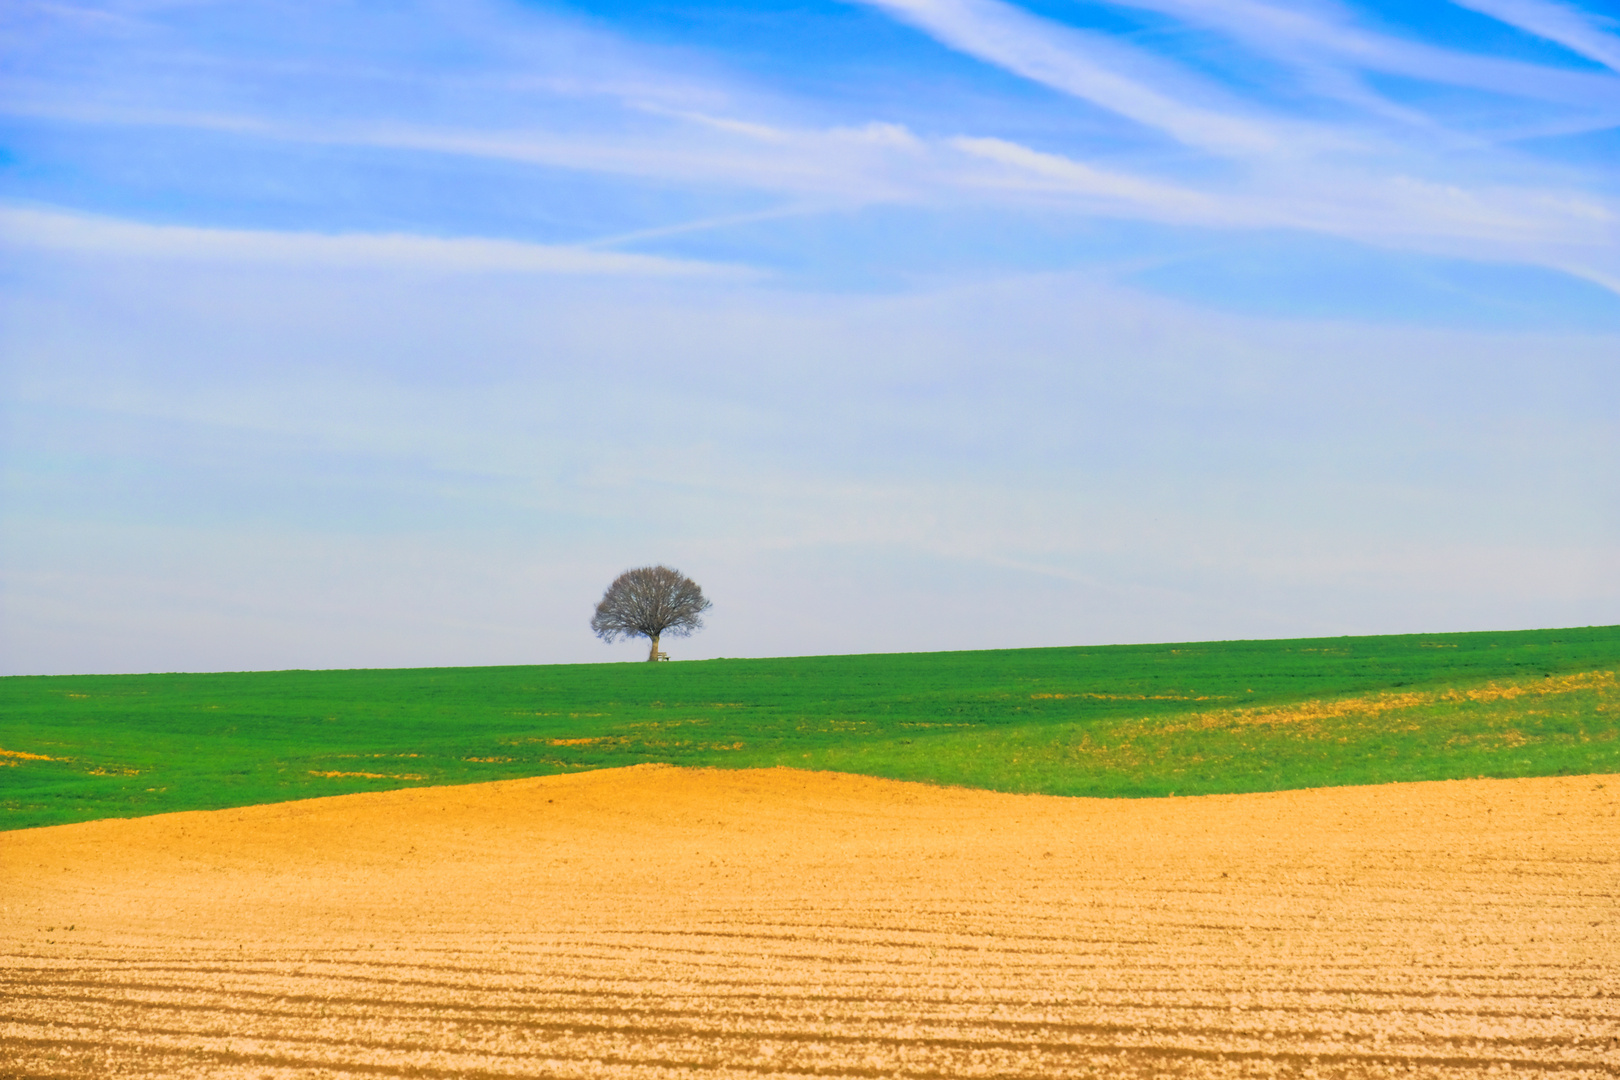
column 653, row 655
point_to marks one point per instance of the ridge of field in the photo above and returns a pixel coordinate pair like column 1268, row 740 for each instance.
column 1124, row 720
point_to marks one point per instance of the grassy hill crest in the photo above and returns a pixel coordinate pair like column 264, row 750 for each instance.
column 1125, row 720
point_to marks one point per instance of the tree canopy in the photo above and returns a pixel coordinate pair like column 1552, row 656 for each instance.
column 649, row 602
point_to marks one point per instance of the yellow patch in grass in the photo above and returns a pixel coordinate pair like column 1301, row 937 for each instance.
column 370, row 775
column 1375, row 704
column 1119, row 697
column 1561, row 684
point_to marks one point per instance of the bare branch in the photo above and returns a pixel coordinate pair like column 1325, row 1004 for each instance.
column 648, row 602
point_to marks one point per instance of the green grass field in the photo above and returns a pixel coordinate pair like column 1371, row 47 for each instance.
column 1129, row 720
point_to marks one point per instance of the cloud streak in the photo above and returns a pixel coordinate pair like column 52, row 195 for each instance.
column 1309, row 36
column 1302, row 142
column 1357, row 181
column 55, row 231
column 1055, row 173
column 1088, row 66
column 1568, row 26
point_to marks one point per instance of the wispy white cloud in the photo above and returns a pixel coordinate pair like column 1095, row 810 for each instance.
column 1352, row 180
column 56, row 231
column 1321, row 43
column 866, row 162
column 1576, row 30
column 817, row 171
column 1057, row 173
column 1573, row 232
column 1313, row 35
column 1261, row 153
column 1089, row 66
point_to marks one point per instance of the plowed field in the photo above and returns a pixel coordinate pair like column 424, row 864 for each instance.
column 660, row 922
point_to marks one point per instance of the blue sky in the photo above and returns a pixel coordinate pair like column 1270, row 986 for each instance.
column 359, row 334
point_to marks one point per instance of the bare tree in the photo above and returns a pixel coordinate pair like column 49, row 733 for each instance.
column 648, row 602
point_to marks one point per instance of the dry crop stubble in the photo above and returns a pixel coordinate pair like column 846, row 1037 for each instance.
column 658, row 922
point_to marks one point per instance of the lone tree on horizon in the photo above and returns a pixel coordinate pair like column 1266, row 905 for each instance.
column 649, row 602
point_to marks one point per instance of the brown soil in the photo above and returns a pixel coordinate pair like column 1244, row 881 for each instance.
column 658, row 922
